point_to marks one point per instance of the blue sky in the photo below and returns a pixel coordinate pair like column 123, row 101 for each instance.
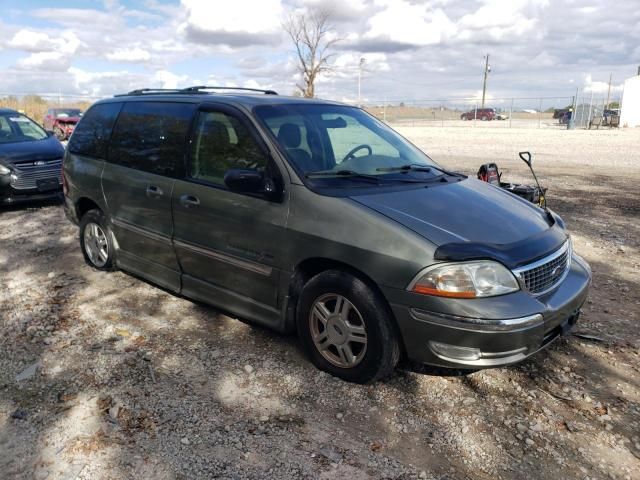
column 413, row 50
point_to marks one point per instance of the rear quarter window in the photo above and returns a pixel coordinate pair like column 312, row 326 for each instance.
column 151, row 136
column 91, row 136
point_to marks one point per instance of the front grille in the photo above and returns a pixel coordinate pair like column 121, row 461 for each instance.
column 541, row 276
column 38, row 165
column 27, row 174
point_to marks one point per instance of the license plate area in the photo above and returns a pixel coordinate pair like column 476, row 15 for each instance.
column 47, row 184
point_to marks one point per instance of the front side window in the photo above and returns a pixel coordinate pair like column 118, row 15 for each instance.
column 222, row 142
column 151, row 137
column 91, row 135
column 321, row 139
column 15, row 128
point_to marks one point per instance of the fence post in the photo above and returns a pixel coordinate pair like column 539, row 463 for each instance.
column 540, row 113
column 590, row 106
column 510, row 112
column 475, row 115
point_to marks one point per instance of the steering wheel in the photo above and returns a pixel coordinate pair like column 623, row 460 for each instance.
column 352, row 152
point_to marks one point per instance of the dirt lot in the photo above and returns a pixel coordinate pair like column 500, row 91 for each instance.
column 103, row 376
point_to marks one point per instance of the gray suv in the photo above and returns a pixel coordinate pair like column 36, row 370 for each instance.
column 315, row 217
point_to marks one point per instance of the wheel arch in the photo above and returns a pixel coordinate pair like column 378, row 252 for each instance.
column 310, row 267
column 83, row 205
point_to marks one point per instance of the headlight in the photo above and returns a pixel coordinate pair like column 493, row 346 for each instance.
column 4, row 170
column 465, row 280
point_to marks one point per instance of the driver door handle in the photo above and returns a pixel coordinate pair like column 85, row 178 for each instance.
column 188, row 201
column 154, row 192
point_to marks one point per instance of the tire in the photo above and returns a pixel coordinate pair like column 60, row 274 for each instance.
column 96, row 241
column 463, row 117
column 374, row 351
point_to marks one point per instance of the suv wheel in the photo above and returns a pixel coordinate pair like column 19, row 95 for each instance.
column 345, row 327
column 96, row 241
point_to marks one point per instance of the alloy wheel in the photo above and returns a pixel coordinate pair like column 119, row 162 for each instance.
column 338, row 330
column 95, row 244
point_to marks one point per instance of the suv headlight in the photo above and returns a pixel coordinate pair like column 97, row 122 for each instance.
column 465, row 280
column 4, row 170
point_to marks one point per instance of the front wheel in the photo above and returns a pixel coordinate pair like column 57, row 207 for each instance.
column 346, row 328
column 96, row 241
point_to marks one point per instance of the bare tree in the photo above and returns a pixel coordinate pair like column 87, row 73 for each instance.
column 311, row 36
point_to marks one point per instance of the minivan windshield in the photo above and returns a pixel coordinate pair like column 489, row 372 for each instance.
column 341, row 141
column 15, row 127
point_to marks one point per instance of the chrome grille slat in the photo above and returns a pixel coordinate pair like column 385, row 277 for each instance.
column 541, row 276
column 39, row 165
column 28, row 180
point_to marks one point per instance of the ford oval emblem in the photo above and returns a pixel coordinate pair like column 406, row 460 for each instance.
column 39, row 163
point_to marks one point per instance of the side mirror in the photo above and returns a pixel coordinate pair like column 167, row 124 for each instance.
column 241, row 180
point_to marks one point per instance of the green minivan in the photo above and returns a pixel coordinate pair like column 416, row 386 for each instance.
column 314, row 217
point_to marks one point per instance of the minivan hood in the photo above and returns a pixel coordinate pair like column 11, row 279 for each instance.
column 46, row 149
column 465, row 211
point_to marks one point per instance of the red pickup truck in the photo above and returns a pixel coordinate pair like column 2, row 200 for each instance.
column 480, row 114
column 62, row 121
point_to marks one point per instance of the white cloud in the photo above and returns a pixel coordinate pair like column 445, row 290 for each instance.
column 51, row 61
column 598, row 87
column 239, row 23
column 407, row 23
column 167, row 79
column 129, row 55
column 33, row 41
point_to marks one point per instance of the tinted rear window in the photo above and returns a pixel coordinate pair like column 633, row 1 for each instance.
column 91, row 135
column 151, row 136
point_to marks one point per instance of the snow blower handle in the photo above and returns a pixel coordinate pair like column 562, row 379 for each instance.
column 526, row 157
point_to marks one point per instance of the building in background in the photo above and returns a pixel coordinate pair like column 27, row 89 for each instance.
column 630, row 107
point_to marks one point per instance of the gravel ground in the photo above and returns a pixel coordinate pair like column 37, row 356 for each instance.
column 104, row 376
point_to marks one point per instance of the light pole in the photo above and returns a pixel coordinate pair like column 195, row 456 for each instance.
column 361, row 64
column 487, row 69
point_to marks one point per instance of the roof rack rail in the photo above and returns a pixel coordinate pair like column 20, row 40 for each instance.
column 150, row 91
column 199, row 88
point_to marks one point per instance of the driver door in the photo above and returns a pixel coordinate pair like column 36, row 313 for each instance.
column 230, row 245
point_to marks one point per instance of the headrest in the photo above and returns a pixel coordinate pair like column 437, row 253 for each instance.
column 289, row 135
column 217, row 131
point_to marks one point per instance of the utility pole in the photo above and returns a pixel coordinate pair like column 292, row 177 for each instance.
column 609, row 91
column 360, row 79
column 487, row 69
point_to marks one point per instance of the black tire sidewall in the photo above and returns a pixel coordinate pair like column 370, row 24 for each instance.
column 96, row 216
column 382, row 346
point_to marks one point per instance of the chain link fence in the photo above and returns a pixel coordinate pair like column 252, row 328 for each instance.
column 529, row 112
column 522, row 112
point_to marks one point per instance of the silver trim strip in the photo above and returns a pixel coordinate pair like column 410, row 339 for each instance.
column 479, row 324
column 235, row 261
column 564, row 248
column 141, row 231
column 231, row 260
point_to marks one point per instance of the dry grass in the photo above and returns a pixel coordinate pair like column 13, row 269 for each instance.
column 36, row 107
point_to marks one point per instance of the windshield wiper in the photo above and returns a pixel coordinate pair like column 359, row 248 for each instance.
column 342, row 174
column 416, row 167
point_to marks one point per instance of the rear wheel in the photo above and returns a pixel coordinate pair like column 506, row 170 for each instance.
column 346, row 328
column 96, row 241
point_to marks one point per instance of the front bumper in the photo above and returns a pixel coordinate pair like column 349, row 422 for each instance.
column 493, row 331
column 11, row 196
